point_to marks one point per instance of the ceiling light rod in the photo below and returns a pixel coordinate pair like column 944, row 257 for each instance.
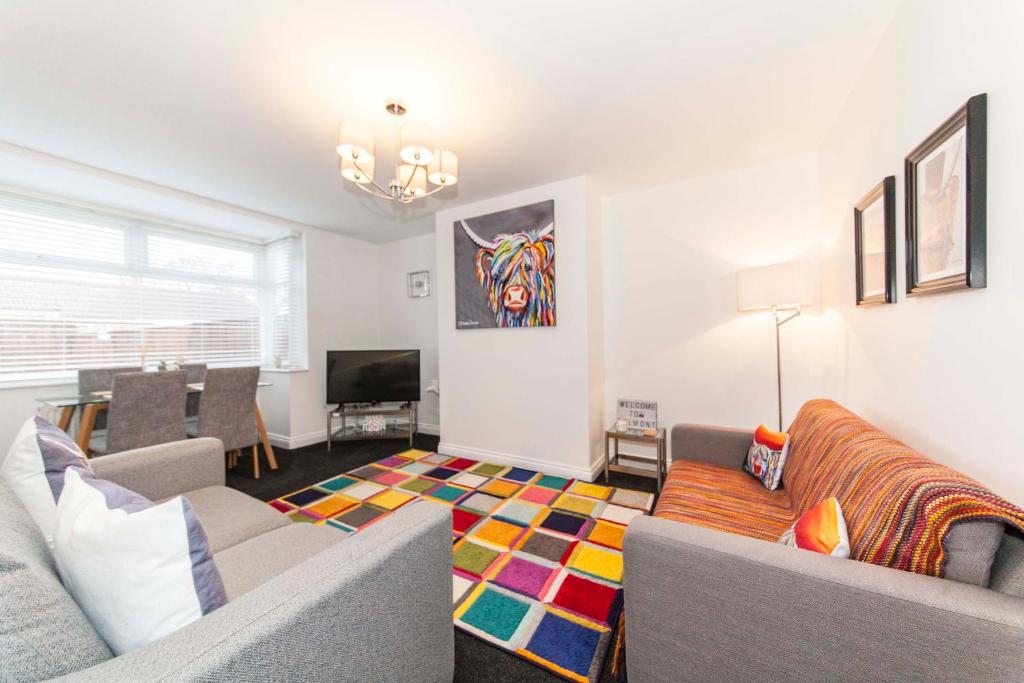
column 416, row 161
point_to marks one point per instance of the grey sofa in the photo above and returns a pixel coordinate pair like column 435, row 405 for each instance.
column 305, row 602
column 709, row 605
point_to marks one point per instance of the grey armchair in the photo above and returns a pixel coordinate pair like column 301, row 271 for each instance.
column 305, row 602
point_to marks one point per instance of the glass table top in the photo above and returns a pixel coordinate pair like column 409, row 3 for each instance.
column 104, row 397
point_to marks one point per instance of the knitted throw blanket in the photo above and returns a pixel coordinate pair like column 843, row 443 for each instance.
column 898, row 504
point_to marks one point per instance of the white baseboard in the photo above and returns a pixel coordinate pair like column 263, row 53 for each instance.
column 320, row 436
column 585, row 473
column 298, row 440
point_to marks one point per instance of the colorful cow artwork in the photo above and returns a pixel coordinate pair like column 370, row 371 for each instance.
column 514, row 268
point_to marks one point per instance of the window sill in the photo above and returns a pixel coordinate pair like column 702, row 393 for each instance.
column 29, row 383
column 284, row 370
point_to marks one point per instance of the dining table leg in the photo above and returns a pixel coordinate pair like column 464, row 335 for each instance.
column 85, row 426
column 265, row 440
column 65, row 418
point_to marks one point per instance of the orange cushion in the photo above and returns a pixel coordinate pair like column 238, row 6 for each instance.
column 821, row 529
column 724, row 498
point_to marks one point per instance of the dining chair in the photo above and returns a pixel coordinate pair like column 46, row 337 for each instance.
column 227, row 411
column 146, row 408
column 195, row 373
column 100, row 379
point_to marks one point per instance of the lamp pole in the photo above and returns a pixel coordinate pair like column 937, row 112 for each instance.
column 781, row 320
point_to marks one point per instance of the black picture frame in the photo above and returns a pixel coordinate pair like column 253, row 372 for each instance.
column 971, row 118
column 884, row 192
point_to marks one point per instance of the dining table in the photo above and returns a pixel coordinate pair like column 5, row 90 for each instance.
column 92, row 403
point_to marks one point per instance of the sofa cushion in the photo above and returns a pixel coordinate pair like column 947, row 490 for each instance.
column 821, row 529
column 1008, row 567
column 43, row 633
column 139, row 571
column 34, row 469
column 724, row 498
column 899, row 505
column 230, row 517
column 252, row 563
column 766, row 456
column 970, row 549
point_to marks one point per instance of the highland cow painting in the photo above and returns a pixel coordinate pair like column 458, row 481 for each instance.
column 505, row 268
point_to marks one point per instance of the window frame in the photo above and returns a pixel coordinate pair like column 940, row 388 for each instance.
column 137, row 230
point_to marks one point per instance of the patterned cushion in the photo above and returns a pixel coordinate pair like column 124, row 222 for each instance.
column 767, row 456
column 724, row 498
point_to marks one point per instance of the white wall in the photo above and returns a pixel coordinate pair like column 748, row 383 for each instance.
column 411, row 323
column 941, row 372
column 342, row 307
column 17, row 404
column 672, row 331
column 524, row 395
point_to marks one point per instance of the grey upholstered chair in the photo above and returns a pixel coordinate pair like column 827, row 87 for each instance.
column 100, row 379
column 227, row 411
column 146, row 408
column 195, row 373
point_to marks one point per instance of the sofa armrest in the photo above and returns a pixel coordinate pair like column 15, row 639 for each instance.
column 721, row 446
column 375, row 607
column 702, row 602
column 169, row 469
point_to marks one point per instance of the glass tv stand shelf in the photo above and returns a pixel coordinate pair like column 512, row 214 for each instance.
column 399, row 423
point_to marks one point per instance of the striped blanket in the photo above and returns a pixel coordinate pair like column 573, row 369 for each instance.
column 898, row 504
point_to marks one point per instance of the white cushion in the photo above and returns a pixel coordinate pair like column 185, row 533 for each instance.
column 34, row 469
column 139, row 571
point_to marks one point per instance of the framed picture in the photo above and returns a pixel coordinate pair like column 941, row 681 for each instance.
column 945, row 204
column 417, row 285
column 874, row 236
column 505, row 268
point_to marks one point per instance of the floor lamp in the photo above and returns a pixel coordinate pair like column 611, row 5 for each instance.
column 784, row 289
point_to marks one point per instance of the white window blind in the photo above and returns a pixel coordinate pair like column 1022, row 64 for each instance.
column 81, row 288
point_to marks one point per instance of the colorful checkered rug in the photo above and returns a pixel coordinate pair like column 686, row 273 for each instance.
column 537, row 558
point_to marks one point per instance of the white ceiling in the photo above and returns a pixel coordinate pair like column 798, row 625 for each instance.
column 238, row 100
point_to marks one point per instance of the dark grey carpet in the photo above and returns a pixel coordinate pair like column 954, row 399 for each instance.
column 475, row 661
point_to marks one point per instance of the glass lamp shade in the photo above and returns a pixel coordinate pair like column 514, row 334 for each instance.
column 363, row 174
column 416, row 144
column 415, row 177
column 354, row 141
column 444, row 168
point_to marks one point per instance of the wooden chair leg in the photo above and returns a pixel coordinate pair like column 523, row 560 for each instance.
column 255, row 462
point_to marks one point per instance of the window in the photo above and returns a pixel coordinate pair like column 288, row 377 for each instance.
column 81, row 289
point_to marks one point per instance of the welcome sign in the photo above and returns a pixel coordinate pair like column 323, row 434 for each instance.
column 639, row 414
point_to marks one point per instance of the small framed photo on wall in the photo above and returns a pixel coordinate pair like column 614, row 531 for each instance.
column 874, row 235
column 945, row 204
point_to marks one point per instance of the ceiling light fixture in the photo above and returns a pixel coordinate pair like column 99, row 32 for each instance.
column 417, row 163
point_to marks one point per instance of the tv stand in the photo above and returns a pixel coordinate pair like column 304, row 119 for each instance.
column 350, row 430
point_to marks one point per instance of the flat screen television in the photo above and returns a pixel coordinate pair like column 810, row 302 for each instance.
column 373, row 376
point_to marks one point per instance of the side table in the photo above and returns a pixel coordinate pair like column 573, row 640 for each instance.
column 612, row 456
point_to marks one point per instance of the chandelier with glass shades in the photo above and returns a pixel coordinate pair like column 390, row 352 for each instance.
column 417, row 162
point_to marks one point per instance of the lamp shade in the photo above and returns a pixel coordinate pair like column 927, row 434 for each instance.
column 354, row 140
column 417, row 144
column 413, row 179
column 781, row 284
column 363, row 174
column 444, row 168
